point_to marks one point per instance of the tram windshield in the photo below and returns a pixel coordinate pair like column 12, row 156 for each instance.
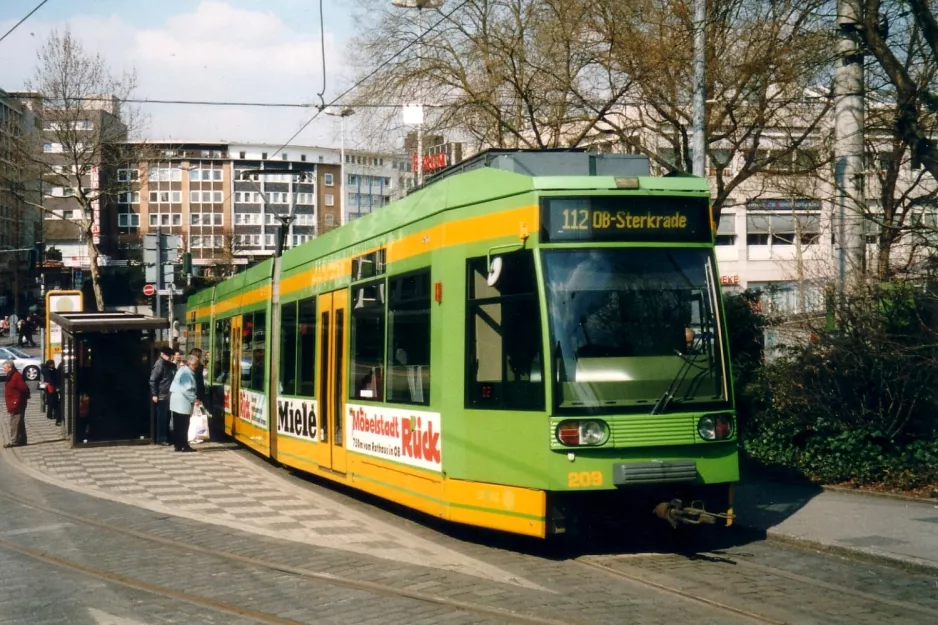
column 632, row 326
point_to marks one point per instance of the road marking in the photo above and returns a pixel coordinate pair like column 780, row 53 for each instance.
column 38, row 528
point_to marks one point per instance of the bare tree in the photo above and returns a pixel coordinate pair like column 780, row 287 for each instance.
column 83, row 141
column 503, row 73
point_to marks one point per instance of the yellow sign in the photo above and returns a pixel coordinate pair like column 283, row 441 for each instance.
column 59, row 302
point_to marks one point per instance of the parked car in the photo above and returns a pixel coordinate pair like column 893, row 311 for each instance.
column 28, row 365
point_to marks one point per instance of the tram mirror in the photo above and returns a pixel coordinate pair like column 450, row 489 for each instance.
column 495, row 271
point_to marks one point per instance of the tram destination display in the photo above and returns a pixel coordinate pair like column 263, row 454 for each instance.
column 625, row 219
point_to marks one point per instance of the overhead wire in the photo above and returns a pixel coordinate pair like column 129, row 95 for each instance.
column 26, row 17
column 377, row 69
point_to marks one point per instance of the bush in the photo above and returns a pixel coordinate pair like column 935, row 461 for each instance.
column 854, row 404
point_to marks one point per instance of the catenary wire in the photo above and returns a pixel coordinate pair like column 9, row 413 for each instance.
column 26, row 17
column 371, row 73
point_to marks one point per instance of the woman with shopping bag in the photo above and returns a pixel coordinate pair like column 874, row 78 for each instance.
column 182, row 399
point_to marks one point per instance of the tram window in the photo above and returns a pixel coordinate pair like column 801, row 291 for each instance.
column 367, row 341
column 504, row 368
column 305, row 347
column 257, row 352
column 368, row 265
column 409, row 339
column 222, row 351
column 288, row 348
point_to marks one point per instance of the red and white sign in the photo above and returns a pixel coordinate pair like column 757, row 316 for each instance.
column 729, row 280
column 431, row 162
column 149, row 290
column 406, row 436
column 95, row 207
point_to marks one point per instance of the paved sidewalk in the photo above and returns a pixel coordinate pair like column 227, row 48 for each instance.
column 881, row 528
column 222, row 486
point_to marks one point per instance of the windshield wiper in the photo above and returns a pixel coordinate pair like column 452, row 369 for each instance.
column 662, row 404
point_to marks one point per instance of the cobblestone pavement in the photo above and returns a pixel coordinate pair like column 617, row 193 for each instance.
column 128, row 533
column 218, row 485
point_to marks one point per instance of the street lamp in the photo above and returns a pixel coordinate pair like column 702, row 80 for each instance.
column 420, row 5
column 345, row 112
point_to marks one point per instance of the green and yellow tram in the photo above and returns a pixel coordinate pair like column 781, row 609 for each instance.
column 529, row 335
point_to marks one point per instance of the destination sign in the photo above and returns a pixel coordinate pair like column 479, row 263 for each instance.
column 638, row 219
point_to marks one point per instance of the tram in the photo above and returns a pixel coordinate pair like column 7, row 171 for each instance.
column 529, row 335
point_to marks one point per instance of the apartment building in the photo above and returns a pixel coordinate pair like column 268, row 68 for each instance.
column 20, row 221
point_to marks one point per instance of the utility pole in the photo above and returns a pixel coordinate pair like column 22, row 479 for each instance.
column 700, row 88
column 848, row 148
column 420, row 5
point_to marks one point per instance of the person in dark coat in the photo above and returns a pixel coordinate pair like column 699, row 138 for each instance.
column 52, row 378
column 16, row 393
column 161, row 377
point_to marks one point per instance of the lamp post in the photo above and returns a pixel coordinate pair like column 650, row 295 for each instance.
column 420, row 5
column 345, row 112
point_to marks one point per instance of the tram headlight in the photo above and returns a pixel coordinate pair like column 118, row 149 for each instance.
column 715, row 427
column 589, row 433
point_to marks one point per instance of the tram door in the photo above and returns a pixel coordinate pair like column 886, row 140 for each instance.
column 332, row 364
column 235, row 373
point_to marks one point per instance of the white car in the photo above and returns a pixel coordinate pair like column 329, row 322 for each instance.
column 28, row 365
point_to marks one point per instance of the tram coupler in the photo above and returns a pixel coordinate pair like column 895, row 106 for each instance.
column 675, row 513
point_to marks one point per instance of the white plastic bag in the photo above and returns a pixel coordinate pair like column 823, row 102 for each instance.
column 198, row 425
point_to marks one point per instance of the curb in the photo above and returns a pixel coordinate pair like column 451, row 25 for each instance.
column 908, row 564
column 873, row 493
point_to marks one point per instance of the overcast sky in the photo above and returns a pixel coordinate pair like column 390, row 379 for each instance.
column 217, row 50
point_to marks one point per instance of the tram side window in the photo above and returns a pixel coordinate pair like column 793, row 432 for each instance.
column 305, row 347
column 222, row 351
column 409, row 339
column 253, row 329
column 367, row 341
column 288, row 327
column 504, row 368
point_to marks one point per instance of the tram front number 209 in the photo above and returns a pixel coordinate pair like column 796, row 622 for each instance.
column 584, row 479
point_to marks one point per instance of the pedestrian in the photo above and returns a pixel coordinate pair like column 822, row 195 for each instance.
column 199, row 375
column 16, row 394
column 21, row 332
column 161, row 377
column 32, row 324
column 52, row 378
column 182, row 399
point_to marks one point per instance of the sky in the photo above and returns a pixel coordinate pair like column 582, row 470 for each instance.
column 210, row 50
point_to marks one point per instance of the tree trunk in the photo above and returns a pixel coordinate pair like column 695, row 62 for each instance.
column 95, row 272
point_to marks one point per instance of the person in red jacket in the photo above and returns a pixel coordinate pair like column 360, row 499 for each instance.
column 16, row 394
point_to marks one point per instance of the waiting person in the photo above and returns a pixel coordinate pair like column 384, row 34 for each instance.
column 52, row 378
column 182, row 399
column 199, row 375
column 16, row 394
column 161, row 378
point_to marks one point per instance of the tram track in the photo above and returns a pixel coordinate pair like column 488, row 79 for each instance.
column 263, row 617
column 604, row 564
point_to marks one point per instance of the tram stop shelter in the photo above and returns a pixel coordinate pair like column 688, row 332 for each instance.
column 105, row 368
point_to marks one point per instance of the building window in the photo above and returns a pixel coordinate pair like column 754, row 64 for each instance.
column 164, row 219
column 195, row 242
column 195, row 219
column 218, row 219
column 327, row 180
column 176, row 197
column 177, row 219
column 329, row 199
column 127, row 175
column 263, row 156
column 154, row 220
column 68, row 214
column 283, row 157
column 409, row 339
column 129, row 220
column 367, row 341
column 217, row 196
column 330, row 221
column 195, row 175
column 217, row 175
column 194, row 197
column 726, row 239
column 303, row 157
column 241, row 155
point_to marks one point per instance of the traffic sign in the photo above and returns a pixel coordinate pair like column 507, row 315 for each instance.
column 149, row 290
